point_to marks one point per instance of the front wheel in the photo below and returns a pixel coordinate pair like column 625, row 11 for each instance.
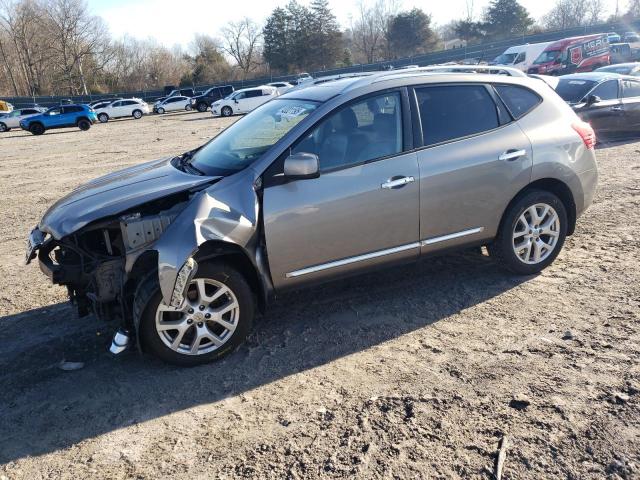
column 3, row 127
column 37, row 129
column 187, row 107
column 103, row 117
column 215, row 318
column 161, row 110
column 202, row 107
column 226, row 111
column 531, row 234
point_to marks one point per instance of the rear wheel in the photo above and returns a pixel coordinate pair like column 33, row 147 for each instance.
column 103, row 117
column 532, row 233
column 84, row 124
column 216, row 317
column 226, row 111
column 37, row 129
column 202, row 107
column 3, row 127
column 137, row 114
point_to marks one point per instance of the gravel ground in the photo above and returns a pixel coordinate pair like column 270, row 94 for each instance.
column 413, row 372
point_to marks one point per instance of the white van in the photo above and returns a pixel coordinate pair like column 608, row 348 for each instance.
column 521, row 56
column 243, row 101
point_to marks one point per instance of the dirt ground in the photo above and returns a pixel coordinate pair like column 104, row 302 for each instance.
column 413, row 372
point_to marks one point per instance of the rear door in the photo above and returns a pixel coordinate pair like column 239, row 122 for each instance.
column 363, row 208
column 606, row 115
column 631, row 106
column 474, row 160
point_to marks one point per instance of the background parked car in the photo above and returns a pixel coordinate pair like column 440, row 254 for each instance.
column 81, row 116
column 12, row 119
column 203, row 102
column 103, row 101
column 184, row 92
column 631, row 37
column 613, row 37
column 172, row 104
column 575, row 54
column 623, row 52
column 243, row 101
column 521, row 56
column 608, row 101
column 132, row 107
column 632, row 68
column 281, row 86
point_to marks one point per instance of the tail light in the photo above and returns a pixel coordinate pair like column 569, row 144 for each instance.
column 586, row 133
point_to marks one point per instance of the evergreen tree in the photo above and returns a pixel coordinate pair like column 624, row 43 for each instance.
column 506, row 18
column 410, row 33
column 326, row 37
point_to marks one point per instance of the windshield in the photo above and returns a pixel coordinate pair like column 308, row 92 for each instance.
column 249, row 138
column 573, row 91
column 505, row 58
column 548, row 56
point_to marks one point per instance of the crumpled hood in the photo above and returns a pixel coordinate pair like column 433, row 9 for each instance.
column 115, row 193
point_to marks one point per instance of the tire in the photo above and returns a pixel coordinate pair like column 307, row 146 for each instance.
column 137, row 114
column 188, row 107
column 103, row 117
column 161, row 110
column 518, row 232
column 148, row 300
column 3, row 127
column 226, row 111
column 84, row 124
column 36, row 129
column 202, row 107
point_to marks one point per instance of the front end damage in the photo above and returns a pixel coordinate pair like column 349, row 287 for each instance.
column 102, row 263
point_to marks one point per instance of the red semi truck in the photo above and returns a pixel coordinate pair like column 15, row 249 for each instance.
column 575, row 54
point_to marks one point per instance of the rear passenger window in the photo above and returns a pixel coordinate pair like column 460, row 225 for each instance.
column 456, row 111
column 630, row 88
column 519, row 100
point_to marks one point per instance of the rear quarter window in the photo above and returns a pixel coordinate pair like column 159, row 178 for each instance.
column 519, row 100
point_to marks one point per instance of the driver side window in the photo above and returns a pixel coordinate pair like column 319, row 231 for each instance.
column 607, row 90
column 358, row 133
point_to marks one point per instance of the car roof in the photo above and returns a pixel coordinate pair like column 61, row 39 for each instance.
column 592, row 76
column 628, row 64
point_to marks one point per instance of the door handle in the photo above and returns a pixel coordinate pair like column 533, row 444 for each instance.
column 397, row 182
column 617, row 109
column 512, row 154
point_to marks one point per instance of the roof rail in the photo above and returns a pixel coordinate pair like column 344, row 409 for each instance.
column 492, row 69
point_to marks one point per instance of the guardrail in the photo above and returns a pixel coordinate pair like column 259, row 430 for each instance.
column 482, row 52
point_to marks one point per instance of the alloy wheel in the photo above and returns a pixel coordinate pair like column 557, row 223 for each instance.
column 205, row 322
column 536, row 233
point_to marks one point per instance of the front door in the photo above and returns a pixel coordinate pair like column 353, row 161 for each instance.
column 605, row 116
column 474, row 163
column 360, row 212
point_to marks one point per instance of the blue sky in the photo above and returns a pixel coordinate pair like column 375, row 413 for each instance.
column 175, row 22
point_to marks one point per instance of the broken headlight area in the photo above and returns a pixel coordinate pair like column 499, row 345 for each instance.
column 92, row 263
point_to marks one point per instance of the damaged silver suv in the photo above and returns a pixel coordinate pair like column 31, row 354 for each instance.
column 322, row 182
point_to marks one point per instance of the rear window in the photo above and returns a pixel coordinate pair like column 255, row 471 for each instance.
column 630, row 88
column 519, row 100
column 456, row 111
column 573, row 90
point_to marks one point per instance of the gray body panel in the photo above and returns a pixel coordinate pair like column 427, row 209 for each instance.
column 341, row 214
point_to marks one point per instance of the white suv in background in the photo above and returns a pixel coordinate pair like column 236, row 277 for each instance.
column 130, row 107
column 12, row 119
column 243, row 101
column 281, row 86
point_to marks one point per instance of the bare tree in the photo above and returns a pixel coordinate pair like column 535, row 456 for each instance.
column 595, row 11
column 241, row 41
column 566, row 14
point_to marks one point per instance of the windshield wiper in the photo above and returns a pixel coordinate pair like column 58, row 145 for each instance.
column 184, row 163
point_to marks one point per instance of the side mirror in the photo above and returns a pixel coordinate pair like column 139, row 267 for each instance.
column 593, row 99
column 235, row 100
column 301, row 165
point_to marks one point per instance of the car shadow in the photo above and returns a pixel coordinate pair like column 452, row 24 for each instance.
column 48, row 132
column 44, row 409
